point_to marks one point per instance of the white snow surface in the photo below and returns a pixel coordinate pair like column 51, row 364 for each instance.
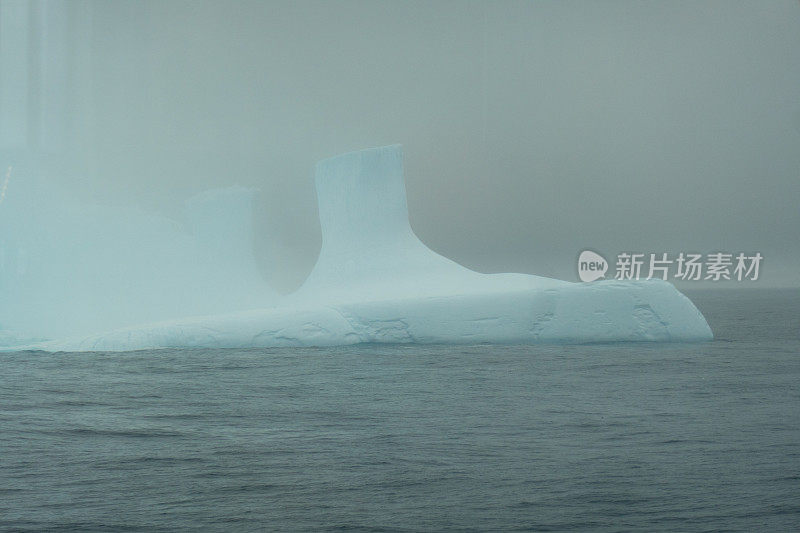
column 376, row 282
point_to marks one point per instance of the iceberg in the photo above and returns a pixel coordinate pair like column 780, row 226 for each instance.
column 376, row 282
column 68, row 268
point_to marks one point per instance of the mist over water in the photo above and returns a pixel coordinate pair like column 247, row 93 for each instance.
column 532, row 130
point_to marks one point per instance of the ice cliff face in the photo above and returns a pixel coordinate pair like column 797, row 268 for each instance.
column 605, row 312
column 369, row 251
column 375, row 281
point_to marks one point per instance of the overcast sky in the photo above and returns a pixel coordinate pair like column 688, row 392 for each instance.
column 532, row 130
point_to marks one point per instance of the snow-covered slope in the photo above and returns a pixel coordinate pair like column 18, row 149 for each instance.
column 375, row 281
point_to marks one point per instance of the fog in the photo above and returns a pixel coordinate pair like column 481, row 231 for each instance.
column 531, row 130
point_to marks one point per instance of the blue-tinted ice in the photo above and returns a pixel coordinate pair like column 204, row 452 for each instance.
column 374, row 281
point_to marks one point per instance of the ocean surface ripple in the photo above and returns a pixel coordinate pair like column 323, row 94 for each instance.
column 609, row 437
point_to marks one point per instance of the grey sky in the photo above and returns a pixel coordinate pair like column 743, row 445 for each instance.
column 532, row 130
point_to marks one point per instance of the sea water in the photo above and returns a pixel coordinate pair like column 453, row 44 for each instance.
column 608, row 437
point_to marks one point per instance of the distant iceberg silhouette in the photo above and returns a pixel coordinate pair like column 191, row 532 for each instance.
column 376, row 282
column 68, row 268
